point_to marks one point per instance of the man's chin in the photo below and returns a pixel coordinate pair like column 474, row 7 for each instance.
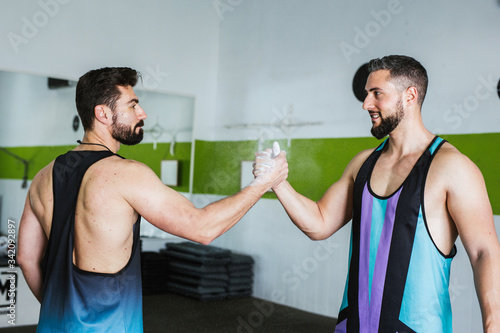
column 131, row 141
column 377, row 135
column 134, row 142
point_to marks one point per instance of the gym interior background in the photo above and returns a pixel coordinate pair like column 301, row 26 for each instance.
column 224, row 78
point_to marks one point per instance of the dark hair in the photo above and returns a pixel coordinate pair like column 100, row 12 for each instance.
column 404, row 71
column 99, row 87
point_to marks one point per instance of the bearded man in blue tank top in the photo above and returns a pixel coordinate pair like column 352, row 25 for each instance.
column 408, row 199
column 79, row 234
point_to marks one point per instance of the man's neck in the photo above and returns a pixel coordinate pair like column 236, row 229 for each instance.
column 407, row 141
column 97, row 141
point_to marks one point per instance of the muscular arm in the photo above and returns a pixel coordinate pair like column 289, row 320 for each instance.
column 470, row 209
column 31, row 246
column 319, row 220
column 173, row 213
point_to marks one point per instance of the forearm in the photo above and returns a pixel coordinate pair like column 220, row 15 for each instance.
column 303, row 212
column 205, row 224
column 486, row 272
column 215, row 219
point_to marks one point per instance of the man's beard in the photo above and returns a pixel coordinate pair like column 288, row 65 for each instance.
column 124, row 134
column 388, row 124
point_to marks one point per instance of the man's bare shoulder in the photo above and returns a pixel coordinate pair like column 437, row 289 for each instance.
column 120, row 177
column 40, row 196
column 363, row 155
column 115, row 167
column 119, row 162
column 357, row 161
column 130, row 184
column 449, row 155
column 452, row 164
column 42, row 181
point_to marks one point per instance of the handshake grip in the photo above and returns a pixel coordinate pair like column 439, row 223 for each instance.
column 265, row 164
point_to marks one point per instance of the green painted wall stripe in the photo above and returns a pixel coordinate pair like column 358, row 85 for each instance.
column 39, row 157
column 315, row 164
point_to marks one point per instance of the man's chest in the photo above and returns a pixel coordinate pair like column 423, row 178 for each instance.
column 389, row 174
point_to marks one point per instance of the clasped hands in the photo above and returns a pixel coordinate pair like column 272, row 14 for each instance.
column 270, row 167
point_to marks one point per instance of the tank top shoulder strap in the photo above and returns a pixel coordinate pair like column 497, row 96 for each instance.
column 382, row 145
column 368, row 164
column 435, row 144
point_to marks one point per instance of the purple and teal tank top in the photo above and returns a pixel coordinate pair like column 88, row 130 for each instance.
column 75, row 300
column 398, row 279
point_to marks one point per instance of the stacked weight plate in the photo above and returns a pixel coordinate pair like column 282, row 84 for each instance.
column 207, row 272
column 240, row 271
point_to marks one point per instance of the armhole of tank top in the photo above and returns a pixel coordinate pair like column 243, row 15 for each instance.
column 53, row 206
column 53, row 202
column 135, row 247
column 45, row 252
column 453, row 250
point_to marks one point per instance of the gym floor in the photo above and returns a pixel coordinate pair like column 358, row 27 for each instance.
column 179, row 314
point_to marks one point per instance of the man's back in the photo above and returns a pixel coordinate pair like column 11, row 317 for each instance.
column 103, row 236
column 75, row 298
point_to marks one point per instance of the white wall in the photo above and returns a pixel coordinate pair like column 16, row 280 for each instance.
column 293, row 52
column 174, row 43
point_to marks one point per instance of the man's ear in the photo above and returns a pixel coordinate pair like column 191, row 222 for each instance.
column 411, row 96
column 103, row 114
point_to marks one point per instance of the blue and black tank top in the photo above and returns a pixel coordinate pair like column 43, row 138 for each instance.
column 398, row 279
column 75, row 300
